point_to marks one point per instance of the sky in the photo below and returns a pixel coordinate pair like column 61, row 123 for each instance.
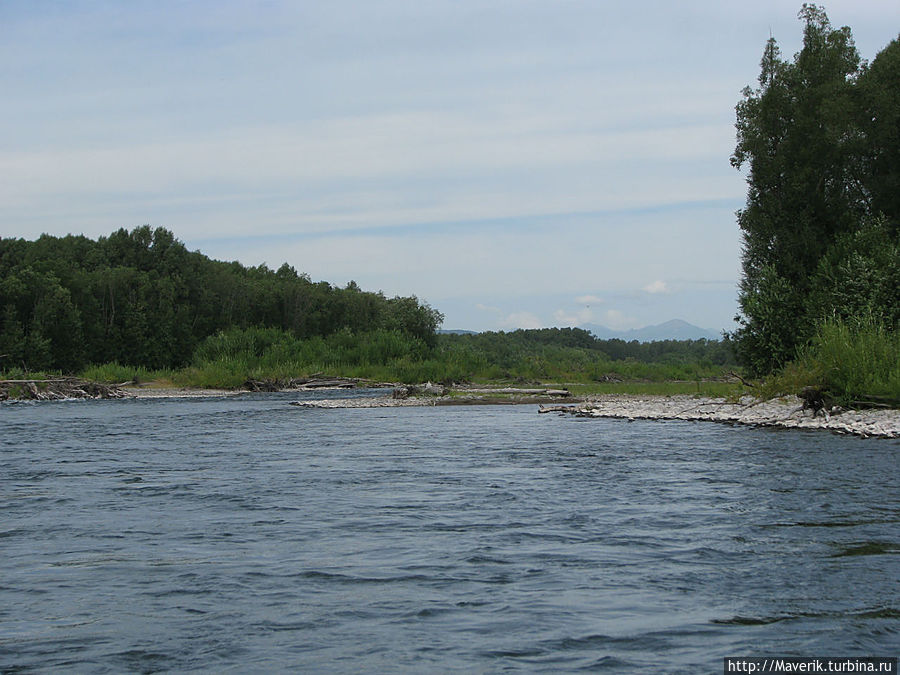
column 515, row 164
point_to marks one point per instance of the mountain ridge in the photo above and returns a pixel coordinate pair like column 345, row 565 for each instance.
column 675, row 329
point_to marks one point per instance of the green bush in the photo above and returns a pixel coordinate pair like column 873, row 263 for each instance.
column 855, row 359
column 229, row 358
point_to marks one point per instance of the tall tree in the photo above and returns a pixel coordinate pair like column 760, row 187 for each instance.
column 880, row 123
column 799, row 137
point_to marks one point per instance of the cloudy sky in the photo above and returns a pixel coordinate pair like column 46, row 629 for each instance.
column 514, row 163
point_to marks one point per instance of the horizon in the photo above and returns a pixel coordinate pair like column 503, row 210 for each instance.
column 589, row 327
column 502, row 164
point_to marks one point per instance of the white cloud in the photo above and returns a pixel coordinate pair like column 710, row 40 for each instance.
column 618, row 320
column 568, row 318
column 657, row 287
column 488, row 308
column 521, row 320
column 589, row 300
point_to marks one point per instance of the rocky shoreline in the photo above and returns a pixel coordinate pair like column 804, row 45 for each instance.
column 787, row 412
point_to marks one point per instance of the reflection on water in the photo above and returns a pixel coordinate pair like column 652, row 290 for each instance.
column 245, row 533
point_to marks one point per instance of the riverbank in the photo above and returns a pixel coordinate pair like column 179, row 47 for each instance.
column 786, row 412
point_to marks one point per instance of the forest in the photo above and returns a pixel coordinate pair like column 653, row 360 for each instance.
column 139, row 306
column 140, row 298
column 819, row 139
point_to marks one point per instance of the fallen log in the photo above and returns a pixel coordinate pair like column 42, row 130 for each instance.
column 329, row 384
column 556, row 408
column 743, row 381
column 57, row 388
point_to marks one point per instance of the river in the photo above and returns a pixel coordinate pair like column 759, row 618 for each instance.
column 243, row 534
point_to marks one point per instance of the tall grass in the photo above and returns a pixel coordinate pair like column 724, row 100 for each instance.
column 229, row 358
column 117, row 373
column 856, row 360
column 853, row 360
column 23, row 374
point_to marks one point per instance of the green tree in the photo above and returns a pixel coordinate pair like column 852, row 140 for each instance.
column 880, row 125
column 798, row 136
column 12, row 339
column 140, row 298
column 859, row 277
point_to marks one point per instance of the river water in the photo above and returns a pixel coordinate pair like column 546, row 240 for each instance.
column 245, row 535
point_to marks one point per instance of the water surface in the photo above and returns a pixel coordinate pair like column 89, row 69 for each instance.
column 243, row 534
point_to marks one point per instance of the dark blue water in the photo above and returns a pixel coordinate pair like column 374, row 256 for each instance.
column 247, row 535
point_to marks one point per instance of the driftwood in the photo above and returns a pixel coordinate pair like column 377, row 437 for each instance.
column 427, row 389
column 556, row 408
column 340, row 383
column 314, row 382
column 57, row 388
column 873, row 401
column 262, row 385
column 743, row 381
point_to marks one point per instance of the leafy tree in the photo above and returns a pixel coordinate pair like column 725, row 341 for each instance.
column 859, row 277
column 142, row 299
column 819, row 139
column 880, row 124
column 12, row 339
column 417, row 319
column 41, row 327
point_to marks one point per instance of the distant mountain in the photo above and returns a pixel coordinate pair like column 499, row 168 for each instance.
column 676, row 329
column 443, row 331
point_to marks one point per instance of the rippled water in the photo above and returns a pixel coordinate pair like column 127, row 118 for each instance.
column 248, row 535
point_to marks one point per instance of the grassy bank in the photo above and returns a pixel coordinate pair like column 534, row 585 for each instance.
column 852, row 361
column 228, row 359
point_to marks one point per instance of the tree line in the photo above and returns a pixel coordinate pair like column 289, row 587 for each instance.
column 141, row 298
column 504, row 348
column 820, row 139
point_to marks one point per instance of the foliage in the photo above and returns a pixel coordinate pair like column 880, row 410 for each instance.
column 859, row 276
column 114, row 372
column 576, row 354
column 148, row 309
column 141, row 299
column 857, row 359
column 853, row 361
column 819, row 139
column 229, row 358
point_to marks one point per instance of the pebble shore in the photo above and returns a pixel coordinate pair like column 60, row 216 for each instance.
column 785, row 412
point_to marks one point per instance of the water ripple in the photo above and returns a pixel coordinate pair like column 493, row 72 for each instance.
column 243, row 534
